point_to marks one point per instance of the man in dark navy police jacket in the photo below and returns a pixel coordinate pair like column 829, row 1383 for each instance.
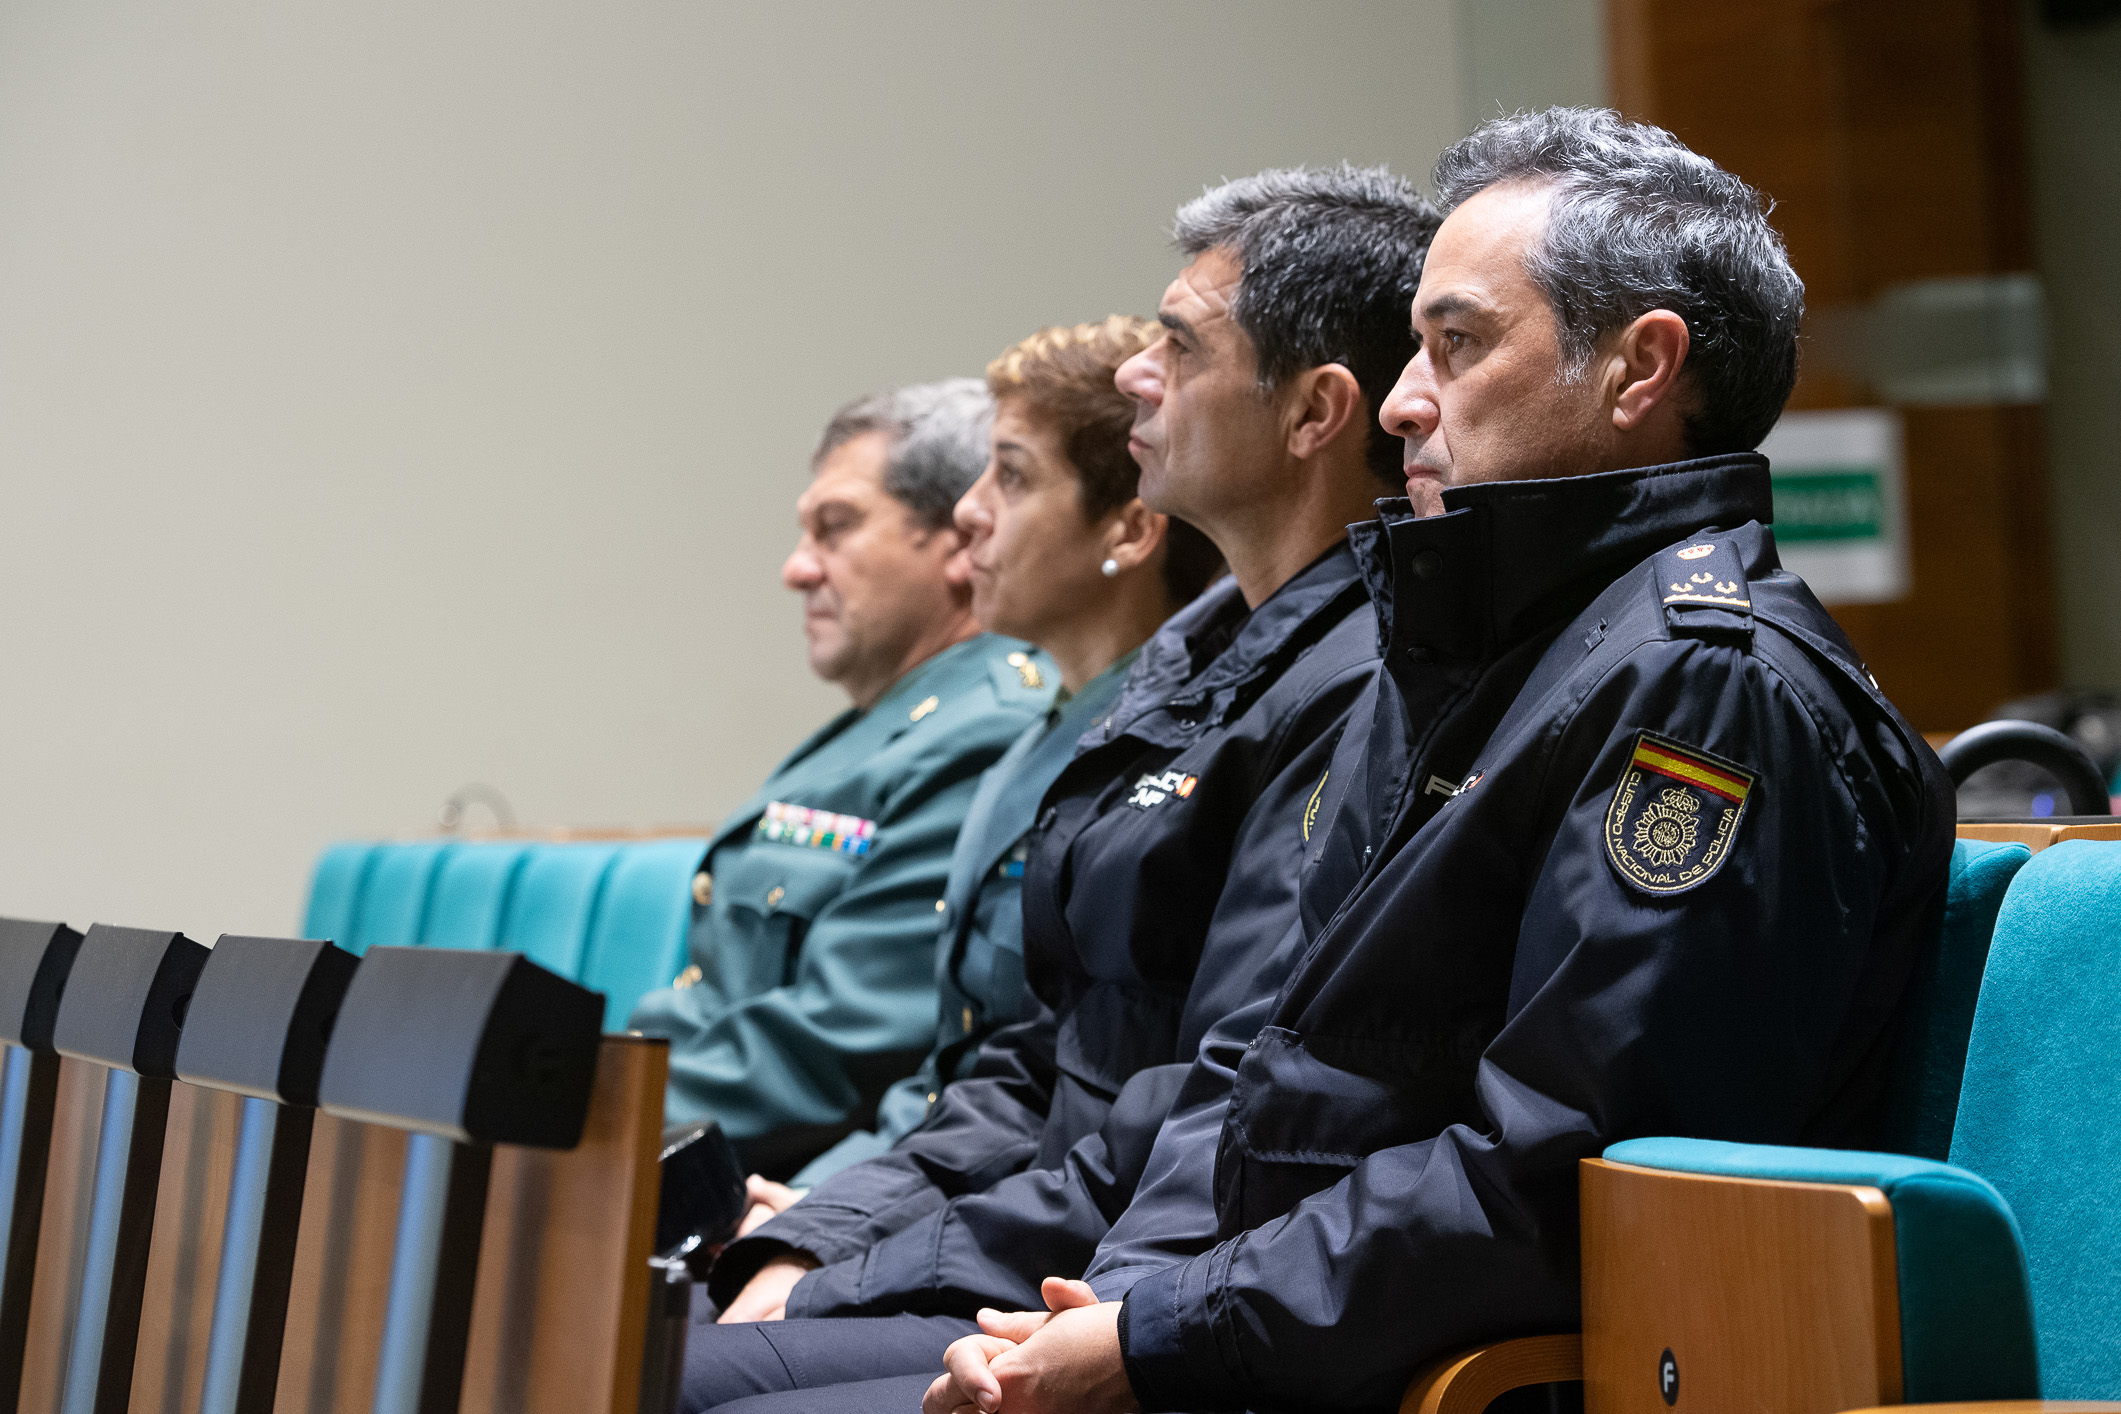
column 1637, row 847
column 1165, row 869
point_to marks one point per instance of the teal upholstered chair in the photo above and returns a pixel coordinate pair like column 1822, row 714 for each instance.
column 471, row 895
column 394, row 898
column 554, row 903
column 1943, row 993
column 2040, row 1109
column 638, row 943
column 335, row 891
column 612, row 916
column 1994, row 1277
column 1731, row 1276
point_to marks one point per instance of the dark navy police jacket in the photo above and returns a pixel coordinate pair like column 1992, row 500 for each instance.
column 1159, row 880
column 1635, row 847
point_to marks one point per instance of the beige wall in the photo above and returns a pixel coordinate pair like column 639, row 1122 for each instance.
column 2074, row 84
column 399, row 395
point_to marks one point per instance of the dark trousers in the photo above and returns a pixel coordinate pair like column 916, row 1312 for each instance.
column 857, row 1365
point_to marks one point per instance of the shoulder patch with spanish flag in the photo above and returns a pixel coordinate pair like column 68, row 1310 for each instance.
column 1675, row 814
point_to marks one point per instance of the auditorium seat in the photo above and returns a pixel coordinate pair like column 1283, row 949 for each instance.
column 392, row 911
column 1988, row 1278
column 335, row 888
column 176, row 1271
column 1811, row 1281
column 472, row 895
column 555, row 904
column 638, row 943
column 609, row 912
column 1942, row 997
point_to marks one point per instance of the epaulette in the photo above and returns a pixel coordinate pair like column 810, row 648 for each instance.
column 1701, row 583
column 1024, row 678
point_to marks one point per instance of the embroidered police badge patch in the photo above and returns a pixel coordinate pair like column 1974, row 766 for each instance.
column 1674, row 815
column 1155, row 789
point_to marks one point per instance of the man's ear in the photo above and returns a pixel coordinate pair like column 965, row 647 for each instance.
column 1642, row 370
column 1133, row 532
column 1322, row 403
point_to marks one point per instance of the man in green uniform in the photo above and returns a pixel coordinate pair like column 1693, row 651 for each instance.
column 812, row 979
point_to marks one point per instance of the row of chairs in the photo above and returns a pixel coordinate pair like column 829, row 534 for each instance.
column 1978, row 1264
column 273, row 1176
column 610, row 914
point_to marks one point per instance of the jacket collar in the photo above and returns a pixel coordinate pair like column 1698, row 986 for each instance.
column 1204, row 654
column 1508, row 558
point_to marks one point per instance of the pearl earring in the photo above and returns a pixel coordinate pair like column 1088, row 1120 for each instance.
column 1111, row 569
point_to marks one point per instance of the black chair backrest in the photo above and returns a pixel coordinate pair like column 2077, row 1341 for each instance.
column 478, row 1047
column 35, row 959
column 123, row 1009
column 2054, row 752
column 466, row 1050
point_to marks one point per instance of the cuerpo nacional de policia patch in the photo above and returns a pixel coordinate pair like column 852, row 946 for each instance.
column 1675, row 814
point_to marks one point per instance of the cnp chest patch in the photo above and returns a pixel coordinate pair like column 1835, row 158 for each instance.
column 1155, row 789
column 1675, row 815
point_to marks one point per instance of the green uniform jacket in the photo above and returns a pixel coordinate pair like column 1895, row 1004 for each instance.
column 812, row 984
column 979, row 958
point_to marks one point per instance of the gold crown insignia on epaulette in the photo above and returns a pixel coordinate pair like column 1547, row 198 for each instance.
column 1705, row 586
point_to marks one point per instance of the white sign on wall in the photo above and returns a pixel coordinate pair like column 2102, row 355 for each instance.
column 1840, row 502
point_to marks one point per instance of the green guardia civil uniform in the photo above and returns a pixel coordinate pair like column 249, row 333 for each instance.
column 979, row 958
column 811, row 985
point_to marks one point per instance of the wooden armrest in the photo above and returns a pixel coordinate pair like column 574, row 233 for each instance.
column 1466, row 1383
column 2001, row 1406
column 1728, row 1279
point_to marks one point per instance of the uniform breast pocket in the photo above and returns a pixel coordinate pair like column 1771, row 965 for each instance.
column 1306, row 1110
column 773, row 893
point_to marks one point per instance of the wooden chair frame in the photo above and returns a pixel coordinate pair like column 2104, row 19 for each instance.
column 1761, row 1243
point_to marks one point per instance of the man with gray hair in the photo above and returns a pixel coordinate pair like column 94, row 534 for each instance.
column 1636, row 846
column 812, row 979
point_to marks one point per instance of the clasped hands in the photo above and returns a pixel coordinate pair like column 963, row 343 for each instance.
column 1063, row 1360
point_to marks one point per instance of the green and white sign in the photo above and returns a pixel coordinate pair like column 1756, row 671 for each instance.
column 1840, row 507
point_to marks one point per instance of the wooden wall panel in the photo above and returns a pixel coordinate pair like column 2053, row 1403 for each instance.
column 1890, row 135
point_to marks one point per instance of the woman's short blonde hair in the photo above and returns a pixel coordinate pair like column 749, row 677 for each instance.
column 1063, row 377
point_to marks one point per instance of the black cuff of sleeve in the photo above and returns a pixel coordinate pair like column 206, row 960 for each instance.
column 1170, row 1356
column 739, row 1263
column 1137, row 1379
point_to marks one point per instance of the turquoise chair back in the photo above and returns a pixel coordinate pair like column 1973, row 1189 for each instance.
column 638, row 943
column 554, row 904
column 611, row 916
column 335, row 891
column 2040, row 1104
column 1942, row 994
column 393, row 908
column 471, row 894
